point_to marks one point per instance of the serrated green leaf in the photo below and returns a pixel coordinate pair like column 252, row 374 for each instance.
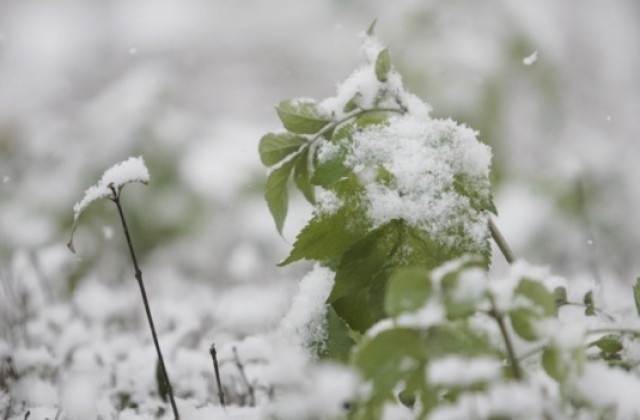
column 383, row 65
column 408, row 289
column 339, row 341
column 608, row 344
column 537, row 293
column 477, row 190
column 301, row 117
column 523, row 322
column 275, row 147
column 363, row 261
column 301, row 177
column 636, row 295
column 554, row 364
column 361, row 278
column 277, row 193
column 328, row 236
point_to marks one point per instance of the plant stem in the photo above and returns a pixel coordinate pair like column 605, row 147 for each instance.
column 501, row 242
column 513, row 360
column 143, row 293
column 629, row 331
column 250, row 390
column 510, row 257
column 216, row 369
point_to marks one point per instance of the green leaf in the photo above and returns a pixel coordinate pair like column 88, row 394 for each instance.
column 301, row 177
column 560, row 295
column 275, row 147
column 408, row 289
column 339, row 341
column 636, row 295
column 523, row 322
column 328, row 236
column 361, row 279
column 608, row 344
column 163, row 389
column 383, row 65
column 372, row 28
column 477, row 189
column 554, row 364
column 331, row 171
column 456, row 338
column 537, row 293
column 301, row 117
column 383, row 359
column 352, row 105
column 588, row 298
column 277, row 194
column 456, row 306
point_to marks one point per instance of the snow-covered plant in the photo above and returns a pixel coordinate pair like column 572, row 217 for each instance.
column 110, row 186
column 402, row 205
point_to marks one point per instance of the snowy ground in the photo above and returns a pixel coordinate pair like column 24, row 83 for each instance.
column 553, row 87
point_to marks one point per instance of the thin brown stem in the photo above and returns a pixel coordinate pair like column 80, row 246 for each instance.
column 216, row 369
column 501, row 242
column 250, row 390
column 511, row 354
column 145, row 300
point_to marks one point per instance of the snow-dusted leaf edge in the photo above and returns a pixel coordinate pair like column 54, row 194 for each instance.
column 131, row 170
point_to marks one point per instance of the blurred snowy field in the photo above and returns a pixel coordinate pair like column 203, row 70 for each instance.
column 553, row 87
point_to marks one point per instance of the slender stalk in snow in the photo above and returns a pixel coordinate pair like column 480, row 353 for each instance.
column 216, row 369
column 138, row 275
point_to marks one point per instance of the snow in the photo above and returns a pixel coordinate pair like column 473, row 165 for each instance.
column 327, row 202
column 530, row 59
column 424, row 157
column 194, row 101
column 130, row 170
column 611, row 388
column 456, row 371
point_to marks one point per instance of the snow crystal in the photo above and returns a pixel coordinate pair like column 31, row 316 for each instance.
column 327, row 150
column 327, row 201
column 130, row 170
column 461, row 371
column 530, row 59
column 425, row 157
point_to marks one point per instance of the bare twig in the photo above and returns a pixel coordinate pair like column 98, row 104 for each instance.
column 143, row 293
column 250, row 390
column 501, row 242
column 216, row 369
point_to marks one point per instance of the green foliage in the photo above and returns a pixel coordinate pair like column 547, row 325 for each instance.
column 301, row 117
column 408, row 290
column 277, row 194
column 383, row 65
column 403, row 298
column 275, row 147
